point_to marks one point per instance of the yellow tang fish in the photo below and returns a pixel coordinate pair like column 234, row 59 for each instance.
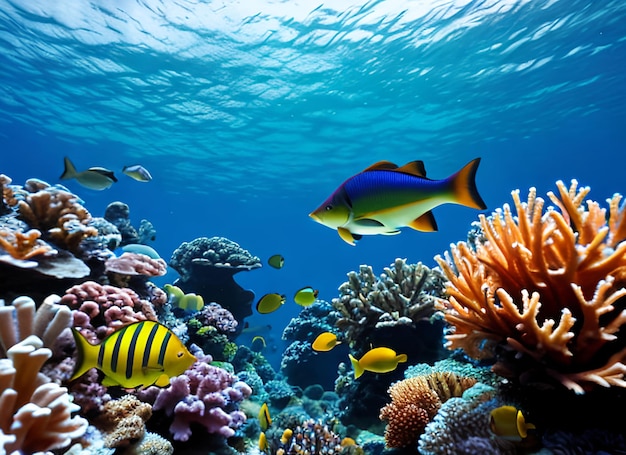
column 286, row 437
column 325, row 342
column 265, row 420
column 277, row 261
column 270, row 303
column 377, row 360
column 384, row 197
column 138, row 355
column 263, row 444
column 508, row 422
column 95, row 178
column 306, row 296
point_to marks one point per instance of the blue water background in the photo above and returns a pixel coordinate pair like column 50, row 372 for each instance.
column 248, row 115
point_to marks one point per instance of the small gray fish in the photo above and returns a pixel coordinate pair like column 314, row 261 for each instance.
column 138, row 172
column 95, row 178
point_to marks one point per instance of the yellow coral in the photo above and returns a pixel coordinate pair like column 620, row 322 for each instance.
column 545, row 283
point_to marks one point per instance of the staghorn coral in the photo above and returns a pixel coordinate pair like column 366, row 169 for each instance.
column 35, row 411
column 23, row 245
column 415, row 401
column 543, row 293
column 403, row 295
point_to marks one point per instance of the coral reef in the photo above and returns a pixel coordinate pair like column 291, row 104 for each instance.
column 123, row 421
column 404, row 294
column 118, row 214
column 543, row 293
column 207, row 265
column 98, row 310
column 35, row 411
column 204, row 395
column 415, row 401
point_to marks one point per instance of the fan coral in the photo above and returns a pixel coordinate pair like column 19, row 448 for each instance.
column 547, row 287
column 403, row 295
column 37, row 412
column 415, row 401
column 206, row 395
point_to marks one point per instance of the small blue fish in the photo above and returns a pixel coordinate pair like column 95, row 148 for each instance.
column 138, row 172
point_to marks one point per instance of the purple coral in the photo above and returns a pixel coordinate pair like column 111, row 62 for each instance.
column 204, row 394
column 215, row 315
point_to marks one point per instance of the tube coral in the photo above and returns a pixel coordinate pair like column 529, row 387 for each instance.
column 546, row 286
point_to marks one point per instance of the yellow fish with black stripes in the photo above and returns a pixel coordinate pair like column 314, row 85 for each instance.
column 140, row 354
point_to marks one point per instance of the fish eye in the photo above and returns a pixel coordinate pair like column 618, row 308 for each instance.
column 179, row 354
column 328, row 208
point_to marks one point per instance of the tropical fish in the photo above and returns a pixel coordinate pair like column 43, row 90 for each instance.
column 265, row 420
column 325, row 342
column 140, row 354
column 249, row 329
column 137, row 172
column 286, row 436
column 384, row 197
column 188, row 302
column 306, row 296
column 508, row 422
column 277, row 261
column 95, row 178
column 263, row 444
column 377, row 360
column 270, row 303
column 258, row 343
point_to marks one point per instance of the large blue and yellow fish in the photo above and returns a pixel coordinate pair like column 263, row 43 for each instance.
column 384, row 198
column 140, row 354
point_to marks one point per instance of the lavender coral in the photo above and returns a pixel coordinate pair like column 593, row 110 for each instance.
column 542, row 293
column 206, row 395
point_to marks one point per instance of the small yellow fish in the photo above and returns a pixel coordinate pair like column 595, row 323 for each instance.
column 188, row 302
column 286, row 437
column 94, row 178
column 270, row 303
column 377, row 360
column 258, row 343
column 508, row 422
column 140, row 354
column 347, row 442
column 137, row 172
column 263, row 444
column 306, row 296
column 277, row 261
column 325, row 342
column 265, row 420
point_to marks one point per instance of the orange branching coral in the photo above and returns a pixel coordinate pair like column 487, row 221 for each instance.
column 56, row 213
column 23, row 245
column 415, row 401
column 549, row 284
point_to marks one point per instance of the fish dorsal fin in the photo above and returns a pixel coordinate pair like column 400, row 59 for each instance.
column 424, row 223
column 102, row 171
column 413, row 168
column 381, row 165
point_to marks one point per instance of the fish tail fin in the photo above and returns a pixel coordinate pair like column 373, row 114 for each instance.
column 402, row 358
column 87, row 355
column 70, row 171
column 358, row 369
column 464, row 186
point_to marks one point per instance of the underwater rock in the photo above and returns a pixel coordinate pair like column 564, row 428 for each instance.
column 207, row 267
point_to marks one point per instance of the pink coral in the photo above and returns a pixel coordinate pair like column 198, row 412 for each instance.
column 204, row 394
column 217, row 316
column 136, row 264
column 99, row 310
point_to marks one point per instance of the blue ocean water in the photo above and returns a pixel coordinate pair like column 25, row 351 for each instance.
column 249, row 114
